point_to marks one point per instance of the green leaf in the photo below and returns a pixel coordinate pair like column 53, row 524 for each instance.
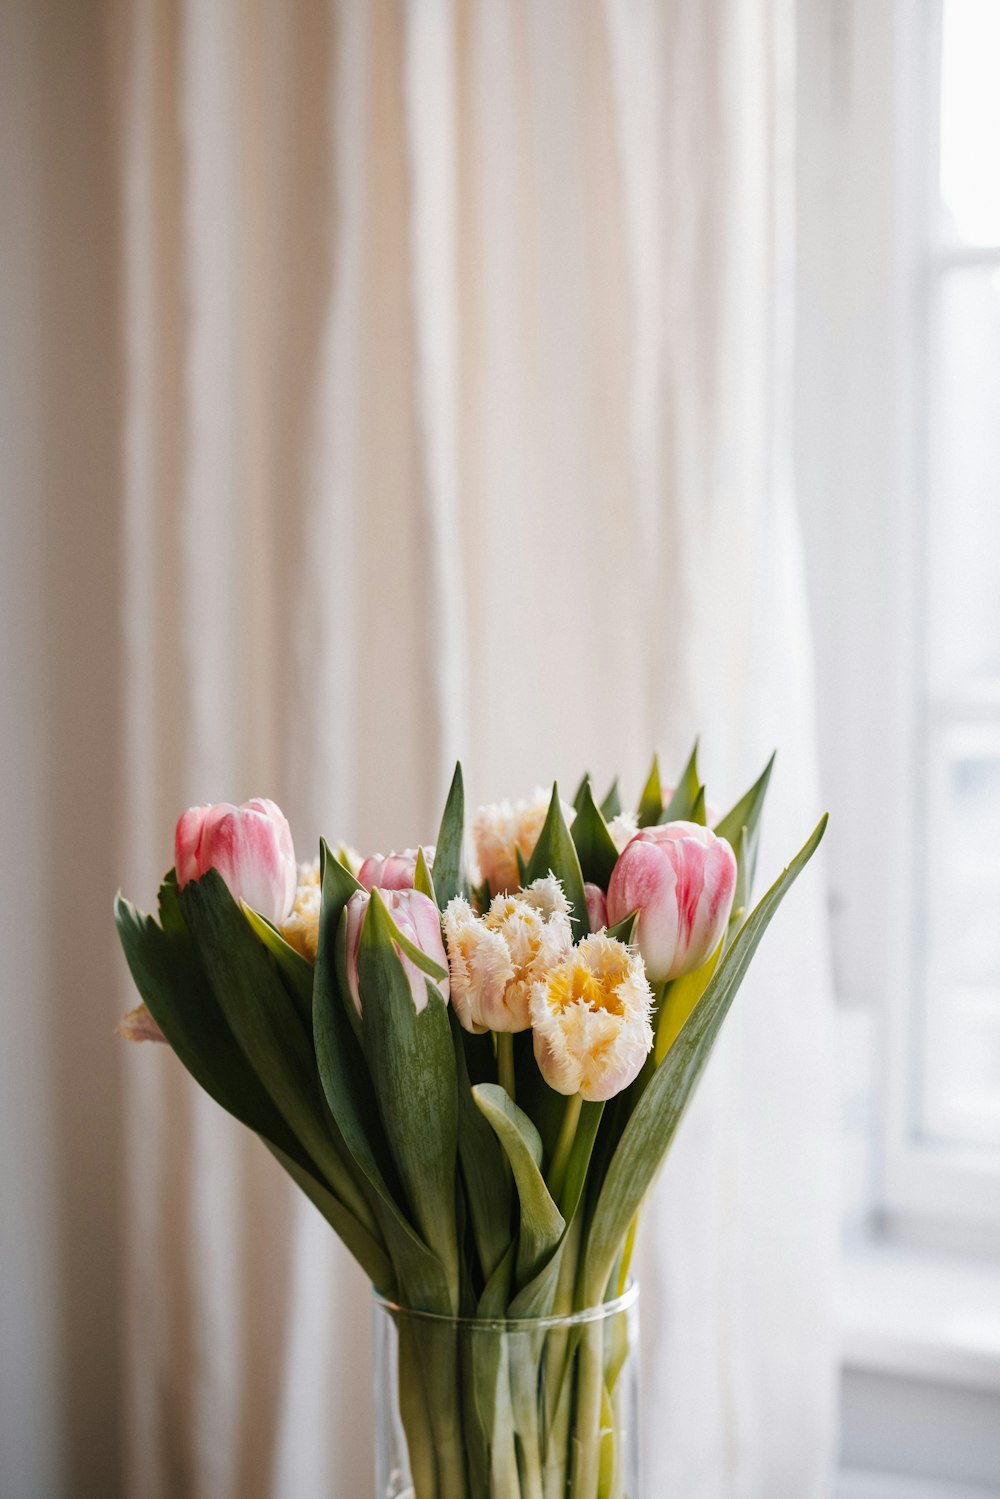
column 612, row 804
column 168, row 974
column 266, row 1026
column 416, row 955
column 679, row 998
column 697, row 812
column 423, row 879
column 594, row 845
column 581, row 791
column 741, row 894
column 449, row 876
column 746, row 815
column 522, row 866
column 541, row 1221
column 650, row 807
column 350, row 1095
column 555, row 853
column 536, row 1298
column 485, row 1172
column 368, row 1251
column 624, row 930
column 295, row 970
column 412, row 1063
column 679, row 807
column 651, row 1128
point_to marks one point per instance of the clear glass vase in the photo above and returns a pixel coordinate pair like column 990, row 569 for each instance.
column 543, row 1408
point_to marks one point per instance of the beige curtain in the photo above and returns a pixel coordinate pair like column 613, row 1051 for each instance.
column 454, row 348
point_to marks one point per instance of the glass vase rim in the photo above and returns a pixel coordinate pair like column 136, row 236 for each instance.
column 598, row 1313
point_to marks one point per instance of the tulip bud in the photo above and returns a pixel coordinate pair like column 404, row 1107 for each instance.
column 681, row 879
column 597, row 907
column 250, row 846
column 591, row 1020
column 392, row 871
column 418, row 919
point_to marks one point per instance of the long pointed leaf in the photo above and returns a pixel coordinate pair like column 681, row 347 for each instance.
column 612, row 804
column 265, row 1023
column 680, row 805
column 485, row 1173
column 650, row 1130
column 542, row 1223
column 295, row 970
column 449, row 877
column 169, row 976
column 746, row 814
column 555, row 853
column 412, row 1062
column 343, row 1071
column 368, row 1251
column 650, row 807
column 595, row 846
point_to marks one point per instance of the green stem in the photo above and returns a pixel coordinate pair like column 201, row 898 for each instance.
column 587, row 1441
column 505, row 1062
column 564, row 1144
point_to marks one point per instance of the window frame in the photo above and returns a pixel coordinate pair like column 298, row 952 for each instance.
column 867, row 186
column 923, row 1178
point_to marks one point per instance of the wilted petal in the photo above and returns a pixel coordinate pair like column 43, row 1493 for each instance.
column 139, row 1025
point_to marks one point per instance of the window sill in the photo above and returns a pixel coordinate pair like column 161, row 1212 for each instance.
column 917, row 1314
column 920, row 1375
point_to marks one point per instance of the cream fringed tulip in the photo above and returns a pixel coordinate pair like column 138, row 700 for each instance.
column 301, row 930
column 623, row 829
column 250, row 846
column 501, row 830
column 495, row 959
column 417, row 918
column 392, row 871
column 591, row 1019
column 681, row 879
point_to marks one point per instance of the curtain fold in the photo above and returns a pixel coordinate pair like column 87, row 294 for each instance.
column 456, row 422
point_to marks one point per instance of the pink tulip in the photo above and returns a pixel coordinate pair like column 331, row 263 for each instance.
column 418, row 919
column 250, row 846
column 392, row 871
column 681, row 879
column 597, row 907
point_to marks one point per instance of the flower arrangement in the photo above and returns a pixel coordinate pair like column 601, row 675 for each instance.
column 473, row 1062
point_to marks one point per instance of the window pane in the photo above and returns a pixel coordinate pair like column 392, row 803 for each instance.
column 961, row 904
column 963, row 551
column 963, row 1077
column 970, row 122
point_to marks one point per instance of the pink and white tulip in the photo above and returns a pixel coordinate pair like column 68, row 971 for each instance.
column 681, row 879
column 251, row 847
column 417, row 917
column 392, row 871
column 597, row 906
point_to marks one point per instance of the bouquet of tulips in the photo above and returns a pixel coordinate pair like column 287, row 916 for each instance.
column 472, row 1059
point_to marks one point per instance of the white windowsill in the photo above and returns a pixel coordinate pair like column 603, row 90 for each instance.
column 918, row 1314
